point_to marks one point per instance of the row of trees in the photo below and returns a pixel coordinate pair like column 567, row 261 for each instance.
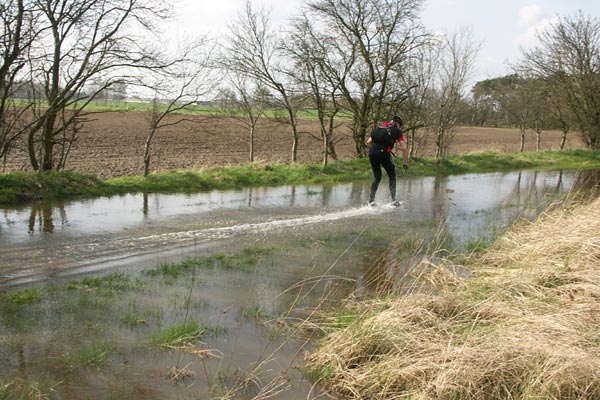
column 366, row 59
column 371, row 58
column 60, row 55
column 556, row 85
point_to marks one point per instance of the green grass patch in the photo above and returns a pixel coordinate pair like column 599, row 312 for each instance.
column 94, row 355
column 23, row 297
column 492, row 161
column 23, row 389
column 106, row 284
column 256, row 313
column 179, row 335
column 22, row 310
column 320, row 375
column 14, row 302
column 248, row 257
column 133, row 320
column 344, row 320
column 20, row 187
column 478, row 245
column 4, row 393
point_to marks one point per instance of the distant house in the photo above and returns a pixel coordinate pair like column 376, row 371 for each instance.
column 137, row 100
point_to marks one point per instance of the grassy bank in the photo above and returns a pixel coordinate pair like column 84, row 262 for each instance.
column 522, row 325
column 23, row 187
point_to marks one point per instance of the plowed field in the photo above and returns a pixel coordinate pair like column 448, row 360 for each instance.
column 113, row 144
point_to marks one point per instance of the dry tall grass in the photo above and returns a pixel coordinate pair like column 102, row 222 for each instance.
column 524, row 326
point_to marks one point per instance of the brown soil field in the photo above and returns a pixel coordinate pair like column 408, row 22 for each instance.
column 112, row 144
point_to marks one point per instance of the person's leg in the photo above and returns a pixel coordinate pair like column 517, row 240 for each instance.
column 376, row 167
column 390, row 169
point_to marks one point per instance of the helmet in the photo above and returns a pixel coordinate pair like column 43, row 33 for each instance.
column 396, row 118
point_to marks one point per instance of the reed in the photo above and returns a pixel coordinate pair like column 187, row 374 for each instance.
column 523, row 325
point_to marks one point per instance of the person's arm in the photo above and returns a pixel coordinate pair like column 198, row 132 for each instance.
column 404, row 151
column 404, row 154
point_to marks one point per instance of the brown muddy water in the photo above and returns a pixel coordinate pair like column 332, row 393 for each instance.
column 88, row 287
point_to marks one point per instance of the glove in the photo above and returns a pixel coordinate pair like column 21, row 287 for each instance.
column 405, row 167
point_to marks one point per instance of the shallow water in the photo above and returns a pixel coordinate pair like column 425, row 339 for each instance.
column 46, row 241
column 311, row 244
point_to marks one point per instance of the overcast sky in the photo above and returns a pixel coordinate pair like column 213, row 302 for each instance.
column 502, row 27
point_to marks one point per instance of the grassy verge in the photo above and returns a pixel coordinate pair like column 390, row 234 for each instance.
column 22, row 187
column 524, row 325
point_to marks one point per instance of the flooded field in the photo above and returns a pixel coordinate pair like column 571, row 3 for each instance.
column 211, row 295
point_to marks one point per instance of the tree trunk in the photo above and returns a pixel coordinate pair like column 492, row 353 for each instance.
column 295, row 147
column 360, row 137
column 439, row 153
column 522, row 148
column 31, row 148
column 325, row 150
column 329, row 134
column 147, row 151
column 48, row 142
column 595, row 138
column 331, row 149
column 252, row 129
column 294, row 125
column 412, row 144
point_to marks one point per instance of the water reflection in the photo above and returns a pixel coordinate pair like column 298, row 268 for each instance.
column 43, row 216
column 145, row 206
column 439, row 193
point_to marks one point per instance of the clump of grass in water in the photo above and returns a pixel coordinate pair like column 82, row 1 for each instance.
column 525, row 326
column 22, row 297
column 22, row 389
column 133, row 320
column 256, row 313
column 95, row 354
column 248, row 257
column 13, row 303
column 179, row 335
column 4, row 394
column 106, row 284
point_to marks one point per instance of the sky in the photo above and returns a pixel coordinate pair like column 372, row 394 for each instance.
column 501, row 27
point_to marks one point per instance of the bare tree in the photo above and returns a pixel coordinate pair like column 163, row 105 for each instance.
column 568, row 57
column 370, row 39
column 245, row 103
column 562, row 113
column 515, row 98
column 419, row 77
column 16, row 38
column 541, row 109
column 253, row 49
column 78, row 41
column 312, row 70
column 456, row 63
column 187, row 78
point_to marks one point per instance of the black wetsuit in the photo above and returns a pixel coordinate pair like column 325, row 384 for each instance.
column 380, row 155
